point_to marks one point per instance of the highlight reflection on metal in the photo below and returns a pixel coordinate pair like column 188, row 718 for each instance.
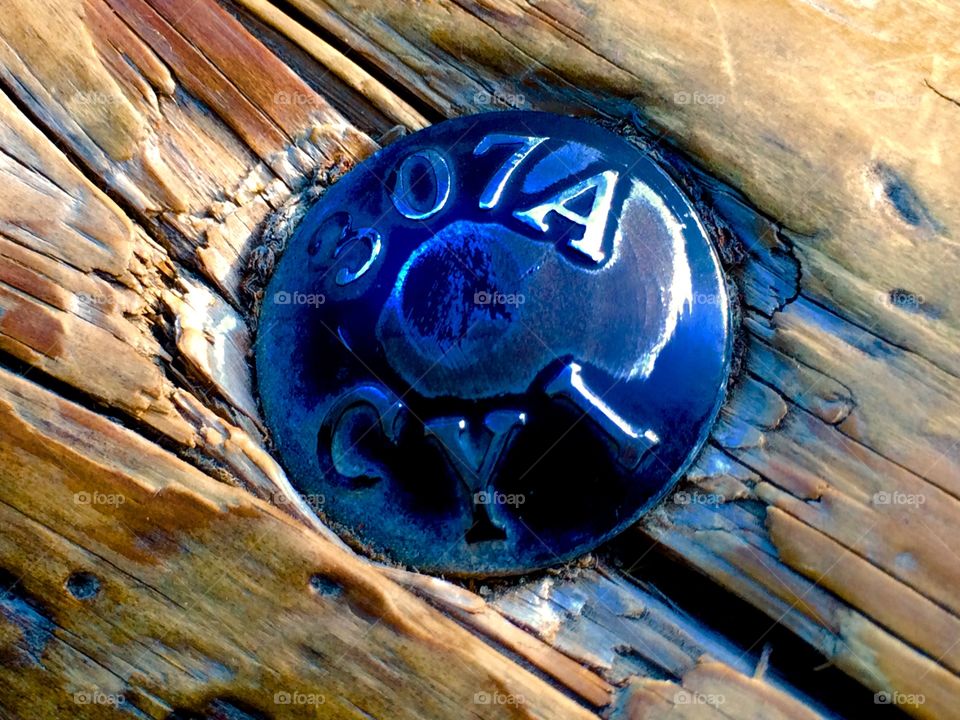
column 513, row 337
column 632, row 443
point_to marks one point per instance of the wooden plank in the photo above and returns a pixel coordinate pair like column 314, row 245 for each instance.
column 119, row 309
column 58, row 315
column 709, row 691
column 596, row 619
column 205, row 594
column 180, row 112
column 139, row 323
column 84, row 296
column 366, row 85
column 142, row 309
column 837, row 128
column 851, row 398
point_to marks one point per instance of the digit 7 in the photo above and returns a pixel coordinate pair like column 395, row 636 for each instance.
column 493, row 191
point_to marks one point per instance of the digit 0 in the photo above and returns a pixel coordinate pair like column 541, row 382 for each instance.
column 422, row 185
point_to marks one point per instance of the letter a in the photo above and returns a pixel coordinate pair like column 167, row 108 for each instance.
column 594, row 223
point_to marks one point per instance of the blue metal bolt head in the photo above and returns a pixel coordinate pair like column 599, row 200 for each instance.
column 494, row 344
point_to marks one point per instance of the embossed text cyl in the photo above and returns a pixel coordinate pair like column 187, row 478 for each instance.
column 494, row 344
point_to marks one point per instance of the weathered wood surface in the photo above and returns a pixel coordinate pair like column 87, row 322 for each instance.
column 206, row 595
column 835, row 119
column 155, row 153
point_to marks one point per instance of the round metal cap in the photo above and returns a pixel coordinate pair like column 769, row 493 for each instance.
column 494, row 344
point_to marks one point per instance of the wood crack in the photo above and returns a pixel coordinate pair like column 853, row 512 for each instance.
column 940, row 94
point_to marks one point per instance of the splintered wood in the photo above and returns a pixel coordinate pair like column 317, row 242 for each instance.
column 146, row 144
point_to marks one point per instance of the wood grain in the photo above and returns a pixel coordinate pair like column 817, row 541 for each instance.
column 848, row 416
column 153, row 153
column 205, row 594
column 837, row 128
column 203, row 600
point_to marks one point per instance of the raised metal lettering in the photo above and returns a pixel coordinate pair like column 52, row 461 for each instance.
column 342, row 419
column 414, row 170
column 594, row 222
column 632, row 443
column 345, row 276
column 493, row 191
column 475, row 459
